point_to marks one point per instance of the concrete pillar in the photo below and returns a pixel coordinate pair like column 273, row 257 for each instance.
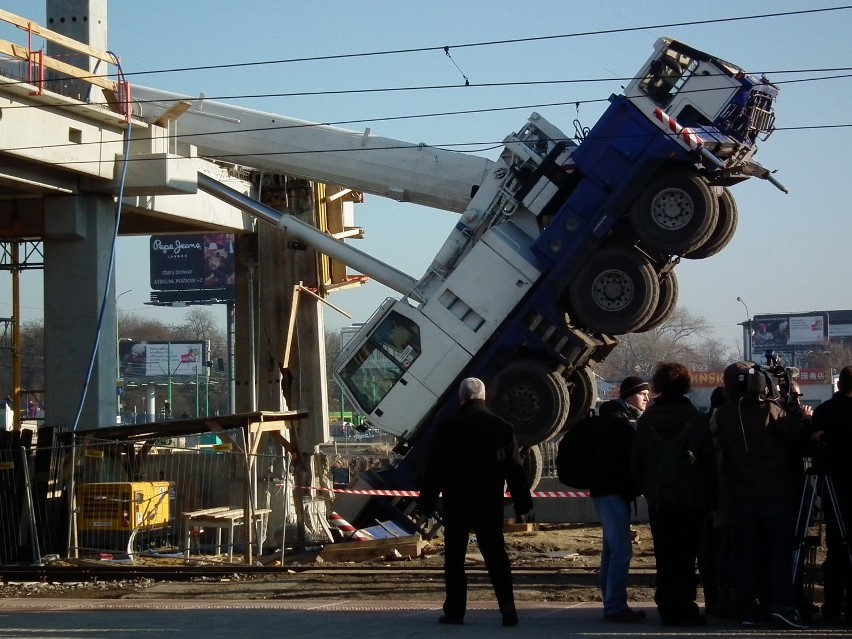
column 86, row 22
column 150, row 402
column 77, row 244
column 82, row 20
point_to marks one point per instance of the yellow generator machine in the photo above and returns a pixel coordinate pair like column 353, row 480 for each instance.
column 110, row 514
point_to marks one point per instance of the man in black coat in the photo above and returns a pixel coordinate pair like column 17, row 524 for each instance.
column 832, row 425
column 674, row 464
column 471, row 455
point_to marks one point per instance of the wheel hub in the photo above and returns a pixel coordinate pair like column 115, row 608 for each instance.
column 672, row 209
column 613, row 290
column 523, row 402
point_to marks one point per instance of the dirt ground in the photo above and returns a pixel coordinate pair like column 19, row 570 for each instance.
column 571, row 549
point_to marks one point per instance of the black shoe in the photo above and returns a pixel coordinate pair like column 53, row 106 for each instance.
column 510, row 618
column 789, row 618
column 453, row 621
column 628, row 615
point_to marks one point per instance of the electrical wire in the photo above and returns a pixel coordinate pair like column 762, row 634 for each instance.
column 110, row 270
column 444, row 87
column 576, row 103
column 488, row 43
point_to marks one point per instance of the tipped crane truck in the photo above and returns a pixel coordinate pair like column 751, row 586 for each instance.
column 562, row 245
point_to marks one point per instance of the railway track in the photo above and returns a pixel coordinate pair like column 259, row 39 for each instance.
column 96, row 571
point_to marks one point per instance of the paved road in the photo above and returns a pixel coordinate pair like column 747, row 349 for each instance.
column 347, row 619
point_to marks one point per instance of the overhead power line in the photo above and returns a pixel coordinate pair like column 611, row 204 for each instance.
column 480, row 85
column 450, row 146
column 488, row 43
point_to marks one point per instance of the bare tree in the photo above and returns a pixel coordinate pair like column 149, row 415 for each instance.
column 683, row 338
column 199, row 323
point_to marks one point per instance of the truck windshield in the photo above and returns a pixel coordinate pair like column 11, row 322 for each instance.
column 374, row 369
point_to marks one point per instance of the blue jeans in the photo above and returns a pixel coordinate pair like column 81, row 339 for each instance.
column 616, row 552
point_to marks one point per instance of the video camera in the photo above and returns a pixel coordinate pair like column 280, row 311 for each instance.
column 772, row 382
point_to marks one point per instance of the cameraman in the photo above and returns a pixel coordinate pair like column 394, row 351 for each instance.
column 832, row 426
column 754, row 436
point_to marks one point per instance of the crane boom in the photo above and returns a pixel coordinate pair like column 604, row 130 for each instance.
column 390, row 168
column 358, row 260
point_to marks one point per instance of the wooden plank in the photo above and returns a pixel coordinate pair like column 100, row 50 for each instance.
column 409, row 546
column 75, row 72
column 53, row 36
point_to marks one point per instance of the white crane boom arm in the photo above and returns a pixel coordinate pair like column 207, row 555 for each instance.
column 382, row 166
column 360, row 261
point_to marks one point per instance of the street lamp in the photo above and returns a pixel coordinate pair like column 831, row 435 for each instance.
column 747, row 353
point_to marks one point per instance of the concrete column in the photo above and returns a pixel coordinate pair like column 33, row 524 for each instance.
column 77, row 244
column 150, row 402
column 86, row 22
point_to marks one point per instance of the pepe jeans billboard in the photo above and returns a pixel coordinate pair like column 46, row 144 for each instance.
column 192, row 262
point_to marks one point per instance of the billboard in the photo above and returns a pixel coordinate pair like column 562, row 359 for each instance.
column 784, row 331
column 188, row 262
column 162, row 359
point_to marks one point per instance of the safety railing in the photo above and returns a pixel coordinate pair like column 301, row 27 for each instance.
column 117, row 92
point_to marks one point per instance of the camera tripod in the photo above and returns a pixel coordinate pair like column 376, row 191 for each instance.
column 818, row 486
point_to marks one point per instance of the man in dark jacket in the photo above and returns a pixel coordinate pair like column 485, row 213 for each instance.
column 754, row 435
column 471, row 455
column 613, row 490
column 675, row 466
column 832, row 425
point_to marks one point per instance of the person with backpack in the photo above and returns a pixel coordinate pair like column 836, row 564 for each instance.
column 612, row 489
column 674, row 464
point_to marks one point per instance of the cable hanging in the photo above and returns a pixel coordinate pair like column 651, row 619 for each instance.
column 466, row 81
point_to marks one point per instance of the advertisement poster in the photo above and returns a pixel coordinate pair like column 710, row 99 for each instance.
column 785, row 331
column 192, row 262
column 162, row 359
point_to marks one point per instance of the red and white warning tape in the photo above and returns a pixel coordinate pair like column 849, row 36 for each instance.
column 545, row 494
column 689, row 136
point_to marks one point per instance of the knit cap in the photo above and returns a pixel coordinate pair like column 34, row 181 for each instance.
column 632, row 385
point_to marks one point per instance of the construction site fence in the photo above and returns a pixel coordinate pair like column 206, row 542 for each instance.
column 104, row 499
column 68, row 497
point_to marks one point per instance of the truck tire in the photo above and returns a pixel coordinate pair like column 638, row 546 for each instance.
column 676, row 213
column 533, row 466
column 531, row 397
column 668, row 300
column 724, row 231
column 615, row 292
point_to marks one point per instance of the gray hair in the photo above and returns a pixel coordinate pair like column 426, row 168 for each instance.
column 471, row 388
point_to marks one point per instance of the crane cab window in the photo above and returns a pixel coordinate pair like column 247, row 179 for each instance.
column 666, row 75
column 383, row 359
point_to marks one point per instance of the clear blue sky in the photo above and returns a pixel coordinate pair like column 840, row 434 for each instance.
column 790, row 251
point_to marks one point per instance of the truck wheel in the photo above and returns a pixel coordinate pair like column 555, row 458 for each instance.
column 724, row 231
column 668, row 301
column 584, row 395
column 676, row 213
column 532, row 398
column 533, row 466
column 615, row 292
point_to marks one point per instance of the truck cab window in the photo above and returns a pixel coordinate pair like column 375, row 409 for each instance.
column 665, row 75
column 381, row 361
